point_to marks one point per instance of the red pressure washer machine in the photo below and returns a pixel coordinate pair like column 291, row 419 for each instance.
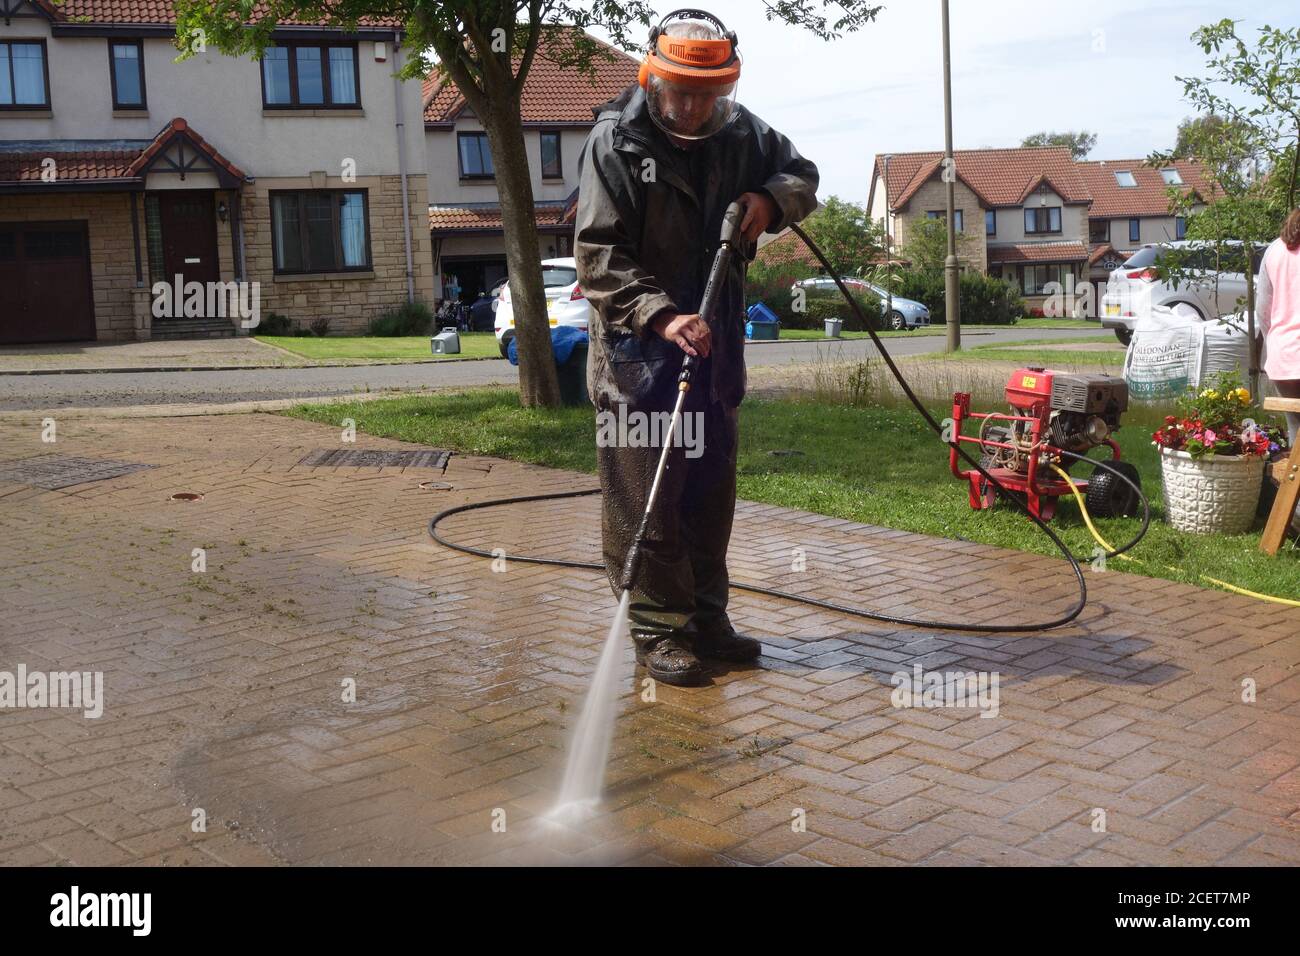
column 1050, row 411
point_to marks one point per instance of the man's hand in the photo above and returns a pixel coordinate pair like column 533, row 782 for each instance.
column 690, row 332
column 760, row 212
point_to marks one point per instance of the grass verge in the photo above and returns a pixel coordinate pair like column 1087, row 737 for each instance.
column 878, row 465
column 399, row 348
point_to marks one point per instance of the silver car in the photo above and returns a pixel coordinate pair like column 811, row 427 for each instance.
column 898, row 313
column 1134, row 288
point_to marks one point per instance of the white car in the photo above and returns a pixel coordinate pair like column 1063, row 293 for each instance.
column 1133, row 288
column 565, row 303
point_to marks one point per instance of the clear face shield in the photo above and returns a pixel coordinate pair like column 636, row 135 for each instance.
column 689, row 110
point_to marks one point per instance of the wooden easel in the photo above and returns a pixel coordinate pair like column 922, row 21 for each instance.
column 1287, row 475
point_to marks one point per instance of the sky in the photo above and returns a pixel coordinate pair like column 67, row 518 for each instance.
column 1018, row 67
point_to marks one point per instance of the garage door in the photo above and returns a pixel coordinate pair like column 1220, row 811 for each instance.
column 45, row 291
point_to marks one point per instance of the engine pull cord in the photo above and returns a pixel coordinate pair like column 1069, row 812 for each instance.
column 980, row 628
column 1087, row 519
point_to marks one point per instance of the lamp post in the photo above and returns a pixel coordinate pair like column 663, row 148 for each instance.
column 951, row 311
column 889, row 245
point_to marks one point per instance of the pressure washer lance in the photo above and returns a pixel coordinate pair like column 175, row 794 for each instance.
column 712, row 289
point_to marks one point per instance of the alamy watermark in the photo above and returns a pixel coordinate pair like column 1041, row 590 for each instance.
column 77, row 690
column 205, row 300
column 977, row 690
column 633, row 429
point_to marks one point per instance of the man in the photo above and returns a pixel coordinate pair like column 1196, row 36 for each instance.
column 658, row 171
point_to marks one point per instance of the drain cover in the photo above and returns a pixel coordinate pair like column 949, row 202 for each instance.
column 361, row 458
column 62, row 471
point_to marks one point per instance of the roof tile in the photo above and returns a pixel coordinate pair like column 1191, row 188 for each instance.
column 487, row 217
column 998, row 177
column 163, row 12
column 1039, row 252
column 551, row 94
column 1150, row 197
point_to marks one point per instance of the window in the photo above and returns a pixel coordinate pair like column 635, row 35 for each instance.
column 1135, row 230
column 551, row 165
column 1171, row 177
column 475, row 156
column 1034, row 278
column 940, row 214
column 126, row 63
column 557, row 277
column 1099, row 230
column 1043, row 219
column 1180, row 227
column 23, row 76
column 320, row 231
column 310, row 75
column 990, row 223
column 1125, row 179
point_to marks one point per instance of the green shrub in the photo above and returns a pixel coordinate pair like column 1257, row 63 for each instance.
column 320, row 326
column 410, row 318
column 984, row 300
column 273, row 323
column 821, row 307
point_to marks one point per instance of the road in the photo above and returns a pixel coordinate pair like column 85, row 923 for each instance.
column 99, row 389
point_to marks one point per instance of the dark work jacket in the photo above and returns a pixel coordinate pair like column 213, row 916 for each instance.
column 648, row 222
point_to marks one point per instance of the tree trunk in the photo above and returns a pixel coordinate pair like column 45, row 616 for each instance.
column 538, row 383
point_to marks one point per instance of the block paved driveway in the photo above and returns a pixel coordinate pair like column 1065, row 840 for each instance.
column 224, row 688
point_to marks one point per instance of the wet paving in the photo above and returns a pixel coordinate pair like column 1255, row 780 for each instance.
column 291, row 662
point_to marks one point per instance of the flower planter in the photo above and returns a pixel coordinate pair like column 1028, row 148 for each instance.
column 1214, row 495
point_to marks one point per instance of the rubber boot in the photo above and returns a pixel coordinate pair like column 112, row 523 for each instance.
column 720, row 642
column 669, row 659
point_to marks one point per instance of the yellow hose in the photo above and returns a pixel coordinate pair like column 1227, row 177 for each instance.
column 1087, row 519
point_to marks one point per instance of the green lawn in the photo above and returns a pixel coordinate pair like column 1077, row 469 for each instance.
column 877, row 465
column 817, row 335
column 1045, row 357
column 402, row 348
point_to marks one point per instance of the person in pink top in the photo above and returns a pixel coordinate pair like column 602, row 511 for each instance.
column 1277, row 308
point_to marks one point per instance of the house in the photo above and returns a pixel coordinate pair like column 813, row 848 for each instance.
column 1024, row 210
column 1034, row 215
column 298, row 177
column 464, row 212
column 1130, row 207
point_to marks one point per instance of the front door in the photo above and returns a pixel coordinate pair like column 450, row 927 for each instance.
column 189, row 235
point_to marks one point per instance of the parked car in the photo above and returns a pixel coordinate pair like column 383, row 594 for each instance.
column 482, row 314
column 1133, row 288
column 565, row 303
column 898, row 313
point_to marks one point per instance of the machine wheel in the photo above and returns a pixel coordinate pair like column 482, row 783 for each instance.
column 1125, row 336
column 896, row 321
column 504, row 344
column 1108, row 496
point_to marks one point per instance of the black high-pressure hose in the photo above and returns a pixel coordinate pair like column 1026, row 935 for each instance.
column 831, row 605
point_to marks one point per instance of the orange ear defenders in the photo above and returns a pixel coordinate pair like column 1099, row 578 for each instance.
column 691, row 62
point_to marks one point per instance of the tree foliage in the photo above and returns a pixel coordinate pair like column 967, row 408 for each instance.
column 1079, row 144
column 926, row 248
column 847, row 234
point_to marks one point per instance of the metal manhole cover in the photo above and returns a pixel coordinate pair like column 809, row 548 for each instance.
column 52, row 472
column 361, row 458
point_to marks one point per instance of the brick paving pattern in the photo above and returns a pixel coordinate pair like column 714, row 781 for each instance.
column 224, row 689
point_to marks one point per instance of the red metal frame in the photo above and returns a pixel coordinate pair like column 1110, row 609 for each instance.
column 1040, row 493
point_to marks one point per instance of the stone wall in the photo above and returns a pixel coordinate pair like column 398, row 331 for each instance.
column 112, row 264
column 934, row 196
column 348, row 300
